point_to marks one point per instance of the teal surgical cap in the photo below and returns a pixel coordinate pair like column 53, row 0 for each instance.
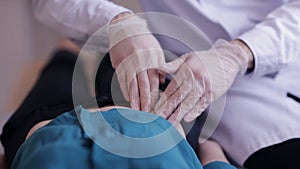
column 115, row 139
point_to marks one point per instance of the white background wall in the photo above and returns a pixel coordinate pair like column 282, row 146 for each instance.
column 23, row 44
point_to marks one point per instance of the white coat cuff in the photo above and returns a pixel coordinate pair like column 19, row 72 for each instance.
column 109, row 15
column 264, row 51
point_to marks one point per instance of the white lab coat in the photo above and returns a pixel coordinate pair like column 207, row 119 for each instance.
column 258, row 113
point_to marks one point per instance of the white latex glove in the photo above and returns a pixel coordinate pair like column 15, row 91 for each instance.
column 139, row 84
column 200, row 78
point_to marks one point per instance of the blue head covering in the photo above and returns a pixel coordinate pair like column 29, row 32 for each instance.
column 118, row 138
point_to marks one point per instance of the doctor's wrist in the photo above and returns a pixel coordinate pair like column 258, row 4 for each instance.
column 248, row 52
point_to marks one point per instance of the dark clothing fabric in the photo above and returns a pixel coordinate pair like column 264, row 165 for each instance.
column 50, row 97
column 284, row 155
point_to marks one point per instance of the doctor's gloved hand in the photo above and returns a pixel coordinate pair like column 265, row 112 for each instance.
column 135, row 54
column 199, row 79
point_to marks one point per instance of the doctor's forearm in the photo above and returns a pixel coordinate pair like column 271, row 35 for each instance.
column 120, row 16
column 76, row 19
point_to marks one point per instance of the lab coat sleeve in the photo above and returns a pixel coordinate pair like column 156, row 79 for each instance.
column 275, row 41
column 76, row 19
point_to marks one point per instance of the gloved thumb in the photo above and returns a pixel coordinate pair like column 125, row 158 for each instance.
column 173, row 66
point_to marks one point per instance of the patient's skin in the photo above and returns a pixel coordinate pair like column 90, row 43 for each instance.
column 210, row 151
column 36, row 127
column 45, row 122
column 2, row 164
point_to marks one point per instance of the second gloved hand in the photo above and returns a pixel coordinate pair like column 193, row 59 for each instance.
column 136, row 55
column 199, row 79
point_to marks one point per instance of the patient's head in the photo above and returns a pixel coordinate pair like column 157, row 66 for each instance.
column 66, row 143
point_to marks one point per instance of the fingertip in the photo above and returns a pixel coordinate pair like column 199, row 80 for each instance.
column 189, row 118
column 159, row 112
column 134, row 105
column 163, row 115
column 126, row 96
column 172, row 121
column 146, row 108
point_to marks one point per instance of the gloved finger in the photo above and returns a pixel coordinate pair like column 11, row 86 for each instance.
column 162, row 101
column 122, row 79
column 185, row 91
column 134, row 94
column 173, row 66
column 165, row 106
column 170, row 105
column 144, row 91
column 193, row 114
column 173, row 98
column 186, row 106
column 154, row 86
column 197, row 110
column 174, row 117
column 203, row 102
